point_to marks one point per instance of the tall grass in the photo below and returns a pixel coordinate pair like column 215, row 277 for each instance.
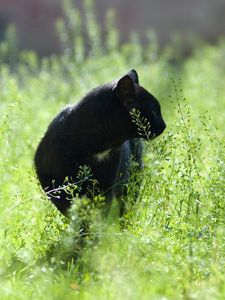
column 171, row 242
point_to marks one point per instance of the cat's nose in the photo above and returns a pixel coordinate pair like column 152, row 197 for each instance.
column 160, row 128
column 163, row 125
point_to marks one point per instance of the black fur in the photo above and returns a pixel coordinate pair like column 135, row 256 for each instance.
column 99, row 122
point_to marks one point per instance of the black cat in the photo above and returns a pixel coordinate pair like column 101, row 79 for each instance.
column 97, row 132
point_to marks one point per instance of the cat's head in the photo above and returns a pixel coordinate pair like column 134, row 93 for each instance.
column 141, row 105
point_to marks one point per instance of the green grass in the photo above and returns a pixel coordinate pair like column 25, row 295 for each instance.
column 172, row 242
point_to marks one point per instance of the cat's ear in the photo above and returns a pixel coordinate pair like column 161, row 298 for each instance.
column 134, row 76
column 125, row 91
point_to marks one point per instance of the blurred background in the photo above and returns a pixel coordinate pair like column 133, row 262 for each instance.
column 35, row 20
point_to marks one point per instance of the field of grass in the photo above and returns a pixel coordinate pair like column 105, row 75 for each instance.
column 171, row 244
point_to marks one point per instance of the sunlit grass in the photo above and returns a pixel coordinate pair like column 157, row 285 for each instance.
column 170, row 244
